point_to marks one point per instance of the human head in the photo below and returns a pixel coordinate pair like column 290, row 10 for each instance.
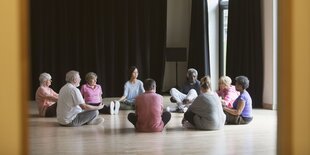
column 133, row 72
column 149, row 84
column 205, row 83
column 243, row 81
column 44, row 77
column 91, row 78
column 192, row 75
column 224, row 82
column 73, row 77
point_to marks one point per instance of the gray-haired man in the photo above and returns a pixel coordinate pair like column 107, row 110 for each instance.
column 187, row 93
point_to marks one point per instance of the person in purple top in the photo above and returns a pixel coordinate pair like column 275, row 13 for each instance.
column 241, row 112
column 149, row 116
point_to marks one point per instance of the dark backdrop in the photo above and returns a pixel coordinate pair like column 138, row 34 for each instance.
column 199, row 55
column 103, row 36
column 244, row 45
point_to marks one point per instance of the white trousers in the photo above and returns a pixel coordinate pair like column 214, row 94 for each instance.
column 179, row 96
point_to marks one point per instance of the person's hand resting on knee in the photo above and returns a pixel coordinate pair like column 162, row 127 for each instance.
column 172, row 100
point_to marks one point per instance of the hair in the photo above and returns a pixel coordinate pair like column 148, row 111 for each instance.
column 131, row 69
column 192, row 71
column 149, row 84
column 226, row 80
column 71, row 76
column 89, row 76
column 205, row 82
column 44, row 77
column 243, row 81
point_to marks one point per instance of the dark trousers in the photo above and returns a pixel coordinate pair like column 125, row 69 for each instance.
column 189, row 116
column 233, row 119
column 125, row 105
column 104, row 110
column 51, row 111
column 165, row 117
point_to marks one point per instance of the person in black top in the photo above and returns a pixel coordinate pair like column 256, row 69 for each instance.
column 187, row 93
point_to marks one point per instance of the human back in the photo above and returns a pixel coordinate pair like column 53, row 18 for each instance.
column 206, row 112
column 149, row 108
column 149, row 115
column 209, row 112
column 68, row 103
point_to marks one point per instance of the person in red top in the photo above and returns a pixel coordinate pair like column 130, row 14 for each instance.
column 149, row 116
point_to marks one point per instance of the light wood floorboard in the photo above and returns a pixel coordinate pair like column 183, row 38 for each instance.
column 117, row 136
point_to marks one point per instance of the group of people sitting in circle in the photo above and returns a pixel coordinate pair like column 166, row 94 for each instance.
column 203, row 108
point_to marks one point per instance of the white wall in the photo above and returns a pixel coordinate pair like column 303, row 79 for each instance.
column 178, row 33
column 178, row 30
column 270, row 53
column 214, row 41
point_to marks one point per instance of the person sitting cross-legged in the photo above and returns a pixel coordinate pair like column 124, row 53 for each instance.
column 149, row 116
column 46, row 97
column 241, row 112
column 206, row 112
column 92, row 93
column 72, row 110
column 227, row 92
column 187, row 93
column 132, row 88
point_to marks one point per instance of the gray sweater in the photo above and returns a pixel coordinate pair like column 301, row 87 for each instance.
column 208, row 111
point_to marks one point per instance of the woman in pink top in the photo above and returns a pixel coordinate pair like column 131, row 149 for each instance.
column 92, row 93
column 227, row 92
column 46, row 97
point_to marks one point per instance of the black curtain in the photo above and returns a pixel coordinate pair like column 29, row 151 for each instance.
column 244, row 45
column 198, row 56
column 103, row 36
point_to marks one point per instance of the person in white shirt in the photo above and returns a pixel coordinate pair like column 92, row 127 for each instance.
column 71, row 108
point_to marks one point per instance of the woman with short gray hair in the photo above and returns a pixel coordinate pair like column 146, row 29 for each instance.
column 72, row 76
column 241, row 112
column 46, row 97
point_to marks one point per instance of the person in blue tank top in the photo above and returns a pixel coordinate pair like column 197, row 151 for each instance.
column 132, row 88
column 241, row 112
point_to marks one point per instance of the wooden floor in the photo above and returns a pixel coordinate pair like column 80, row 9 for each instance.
column 117, row 136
